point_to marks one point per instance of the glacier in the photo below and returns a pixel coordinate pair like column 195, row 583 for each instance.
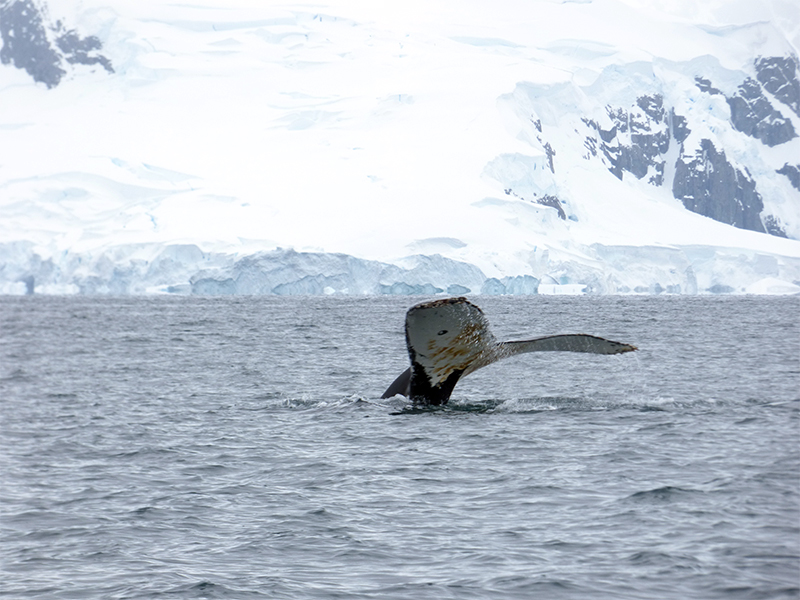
column 548, row 147
column 186, row 269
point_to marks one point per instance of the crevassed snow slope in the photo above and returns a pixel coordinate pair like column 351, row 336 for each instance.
column 382, row 132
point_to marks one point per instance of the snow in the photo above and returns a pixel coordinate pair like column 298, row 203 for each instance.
column 772, row 286
column 352, row 147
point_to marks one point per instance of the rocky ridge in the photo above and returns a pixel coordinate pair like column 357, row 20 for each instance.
column 42, row 49
column 656, row 142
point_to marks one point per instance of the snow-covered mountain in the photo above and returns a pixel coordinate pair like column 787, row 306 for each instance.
column 517, row 146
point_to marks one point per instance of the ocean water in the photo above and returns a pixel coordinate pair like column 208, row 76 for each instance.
column 176, row 448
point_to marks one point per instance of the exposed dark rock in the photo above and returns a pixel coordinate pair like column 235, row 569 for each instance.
column 552, row 202
column 550, row 154
column 546, row 200
column 648, row 141
column 706, row 183
column 705, row 86
column 646, row 129
column 25, row 43
column 590, row 142
column 778, row 75
column 752, row 114
column 606, row 136
column 680, row 127
column 658, row 177
column 77, row 50
column 546, row 145
column 653, row 106
column 751, row 111
column 709, row 185
column 773, row 226
column 793, row 173
column 28, row 46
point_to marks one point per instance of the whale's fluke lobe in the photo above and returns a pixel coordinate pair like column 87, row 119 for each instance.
column 450, row 338
column 400, row 385
column 573, row 342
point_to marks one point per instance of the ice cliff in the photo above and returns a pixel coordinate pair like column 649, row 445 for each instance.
column 186, row 269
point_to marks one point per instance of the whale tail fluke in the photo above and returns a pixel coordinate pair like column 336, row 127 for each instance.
column 450, row 338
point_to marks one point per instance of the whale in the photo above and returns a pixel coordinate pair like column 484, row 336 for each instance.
column 449, row 338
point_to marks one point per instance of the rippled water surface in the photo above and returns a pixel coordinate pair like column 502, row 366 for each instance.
column 237, row 448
